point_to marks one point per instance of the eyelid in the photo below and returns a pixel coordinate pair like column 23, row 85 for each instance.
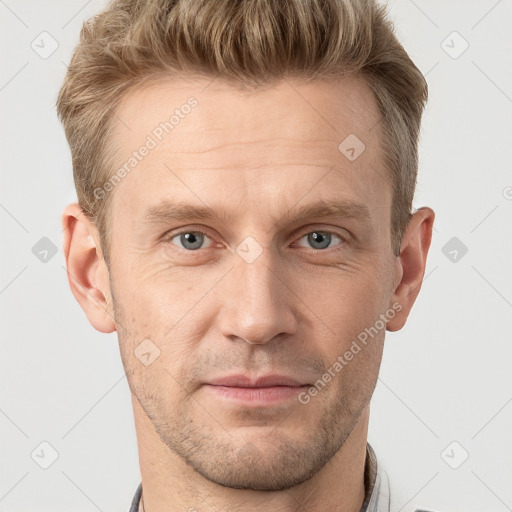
column 340, row 232
column 180, row 231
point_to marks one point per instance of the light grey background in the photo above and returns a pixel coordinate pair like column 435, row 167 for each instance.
column 445, row 377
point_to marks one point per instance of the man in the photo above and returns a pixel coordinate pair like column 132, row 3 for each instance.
column 245, row 174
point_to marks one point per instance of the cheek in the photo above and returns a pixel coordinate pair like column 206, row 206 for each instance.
column 160, row 298
column 352, row 347
column 347, row 306
column 345, row 301
column 163, row 316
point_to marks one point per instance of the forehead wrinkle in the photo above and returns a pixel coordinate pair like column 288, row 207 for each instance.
column 204, row 145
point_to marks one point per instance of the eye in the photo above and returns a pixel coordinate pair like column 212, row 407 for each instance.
column 320, row 239
column 190, row 240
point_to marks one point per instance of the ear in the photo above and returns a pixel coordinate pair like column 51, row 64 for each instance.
column 88, row 275
column 410, row 265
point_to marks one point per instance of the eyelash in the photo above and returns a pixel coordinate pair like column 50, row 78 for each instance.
column 344, row 241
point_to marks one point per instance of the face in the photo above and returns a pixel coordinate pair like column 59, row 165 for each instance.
column 245, row 244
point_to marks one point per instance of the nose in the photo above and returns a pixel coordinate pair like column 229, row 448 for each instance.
column 257, row 302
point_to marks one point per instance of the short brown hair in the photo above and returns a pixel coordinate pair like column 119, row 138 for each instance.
column 250, row 42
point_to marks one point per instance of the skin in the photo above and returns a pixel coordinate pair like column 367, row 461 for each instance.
column 255, row 156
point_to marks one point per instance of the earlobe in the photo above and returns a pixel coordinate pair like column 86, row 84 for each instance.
column 410, row 265
column 86, row 268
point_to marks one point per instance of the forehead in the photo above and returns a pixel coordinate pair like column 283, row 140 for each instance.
column 319, row 107
column 209, row 140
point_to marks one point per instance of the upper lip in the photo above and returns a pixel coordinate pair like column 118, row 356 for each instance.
column 244, row 381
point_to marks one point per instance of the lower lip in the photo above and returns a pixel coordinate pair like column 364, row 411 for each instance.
column 256, row 396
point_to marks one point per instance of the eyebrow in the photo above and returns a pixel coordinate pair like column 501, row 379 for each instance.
column 168, row 211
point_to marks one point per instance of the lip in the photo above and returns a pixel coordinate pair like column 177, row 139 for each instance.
column 263, row 391
column 264, row 381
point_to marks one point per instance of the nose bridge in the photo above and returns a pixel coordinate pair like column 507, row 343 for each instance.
column 259, row 306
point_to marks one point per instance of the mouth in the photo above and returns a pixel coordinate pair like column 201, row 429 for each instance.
column 261, row 391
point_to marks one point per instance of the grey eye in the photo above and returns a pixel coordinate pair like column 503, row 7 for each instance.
column 191, row 240
column 320, row 239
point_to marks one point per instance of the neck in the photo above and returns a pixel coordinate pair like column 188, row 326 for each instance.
column 169, row 484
